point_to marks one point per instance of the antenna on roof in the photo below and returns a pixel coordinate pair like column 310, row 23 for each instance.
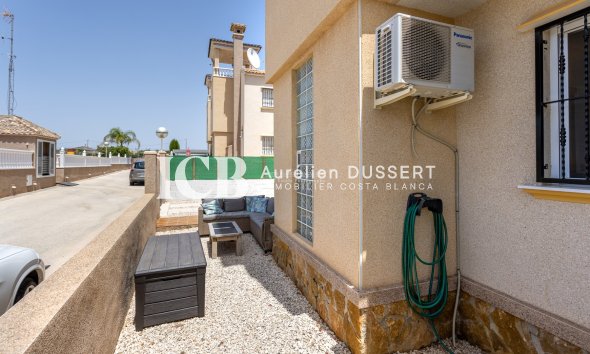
column 10, row 18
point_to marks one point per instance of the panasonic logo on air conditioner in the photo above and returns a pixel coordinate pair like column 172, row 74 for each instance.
column 464, row 36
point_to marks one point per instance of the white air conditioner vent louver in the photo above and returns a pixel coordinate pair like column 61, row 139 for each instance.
column 384, row 57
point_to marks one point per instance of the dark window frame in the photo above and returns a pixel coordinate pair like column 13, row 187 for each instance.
column 540, row 104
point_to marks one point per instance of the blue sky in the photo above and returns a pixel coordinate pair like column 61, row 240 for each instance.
column 83, row 67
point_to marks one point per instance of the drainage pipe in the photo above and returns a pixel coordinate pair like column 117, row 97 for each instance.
column 360, row 137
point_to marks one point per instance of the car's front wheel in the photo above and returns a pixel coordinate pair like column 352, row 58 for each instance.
column 26, row 287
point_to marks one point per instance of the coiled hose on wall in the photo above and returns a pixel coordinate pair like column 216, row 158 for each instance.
column 432, row 304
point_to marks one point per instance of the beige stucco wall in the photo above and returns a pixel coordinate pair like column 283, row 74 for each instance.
column 258, row 122
column 222, row 113
column 292, row 35
column 209, row 115
column 536, row 251
column 18, row 142
column 386, row 141
column 336, row 215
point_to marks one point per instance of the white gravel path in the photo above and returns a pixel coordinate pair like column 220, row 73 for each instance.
column 251, row 306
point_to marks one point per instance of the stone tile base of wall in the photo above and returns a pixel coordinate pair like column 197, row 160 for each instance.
column 497, row 331
column 382, row 328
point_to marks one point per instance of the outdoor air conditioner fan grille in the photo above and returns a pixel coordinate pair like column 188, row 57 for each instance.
column 384, row 67
column 426, row 52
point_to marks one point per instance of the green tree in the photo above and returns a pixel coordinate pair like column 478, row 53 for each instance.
column 122, row 137
column 114, row 150
column 174, row 145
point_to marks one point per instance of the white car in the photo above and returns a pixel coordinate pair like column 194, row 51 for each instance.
column 21, row 270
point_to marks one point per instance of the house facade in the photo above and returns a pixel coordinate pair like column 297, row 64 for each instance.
column 522, row 247
column 240, row 103
column 27, row 156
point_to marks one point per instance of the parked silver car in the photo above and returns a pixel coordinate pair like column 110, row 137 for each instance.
column 137, row 173
column 21, row 270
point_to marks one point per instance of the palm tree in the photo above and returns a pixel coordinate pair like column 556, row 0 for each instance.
column 122, row 137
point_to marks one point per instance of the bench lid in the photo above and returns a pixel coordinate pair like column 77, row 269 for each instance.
column 171, row 253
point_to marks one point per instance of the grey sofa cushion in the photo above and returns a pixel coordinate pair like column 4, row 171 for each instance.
column 235, row 204
column 259, row 218
column 270, row 206
column 228, row 215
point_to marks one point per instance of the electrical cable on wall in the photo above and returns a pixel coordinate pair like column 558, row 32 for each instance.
column 416, row 127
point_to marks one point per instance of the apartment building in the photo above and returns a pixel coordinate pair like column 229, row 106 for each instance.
column 240, row 104
column 522, row 143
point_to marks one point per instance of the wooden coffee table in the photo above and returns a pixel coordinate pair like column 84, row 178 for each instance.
column 225, row 231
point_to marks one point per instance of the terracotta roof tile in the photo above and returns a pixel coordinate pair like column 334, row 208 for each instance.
column 18, row 126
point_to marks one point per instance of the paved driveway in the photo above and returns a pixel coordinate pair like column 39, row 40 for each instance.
column 58, row 222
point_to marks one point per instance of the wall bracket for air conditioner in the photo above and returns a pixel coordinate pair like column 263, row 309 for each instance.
column 385, row 99
column 445, row 102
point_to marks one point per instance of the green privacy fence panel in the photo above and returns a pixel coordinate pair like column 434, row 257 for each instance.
column 208, row 168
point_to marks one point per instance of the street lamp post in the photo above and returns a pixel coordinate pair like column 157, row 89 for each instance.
column 161, row 133
column 106, row 145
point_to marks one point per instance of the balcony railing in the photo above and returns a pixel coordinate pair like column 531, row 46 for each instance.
column 223, row 72
column 11, row 159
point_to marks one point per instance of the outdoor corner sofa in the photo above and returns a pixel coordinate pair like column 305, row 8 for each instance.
column 258, row 224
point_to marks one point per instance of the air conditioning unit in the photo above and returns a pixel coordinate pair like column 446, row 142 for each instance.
column 420, row 57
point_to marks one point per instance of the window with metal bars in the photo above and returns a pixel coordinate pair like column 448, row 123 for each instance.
column 267, row 98
column 268, row 143
column 563, row 100
column 304, row 152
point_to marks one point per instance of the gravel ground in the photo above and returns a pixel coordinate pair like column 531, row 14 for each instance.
column 251, row 306
column 463, row 347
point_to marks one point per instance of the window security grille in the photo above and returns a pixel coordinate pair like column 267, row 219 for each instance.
column 268, row 143
column 562, row 100
column 267, row 98
column 304, row 154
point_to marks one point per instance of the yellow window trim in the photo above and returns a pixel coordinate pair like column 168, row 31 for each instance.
column 562, row 9
column 558, row 192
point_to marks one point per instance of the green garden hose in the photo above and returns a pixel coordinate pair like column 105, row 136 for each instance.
column 430, row 305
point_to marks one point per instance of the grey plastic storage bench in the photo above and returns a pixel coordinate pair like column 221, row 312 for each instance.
column 234, row 209
column 170, row 280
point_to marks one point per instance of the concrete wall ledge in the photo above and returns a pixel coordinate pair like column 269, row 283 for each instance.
column 82, row 306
